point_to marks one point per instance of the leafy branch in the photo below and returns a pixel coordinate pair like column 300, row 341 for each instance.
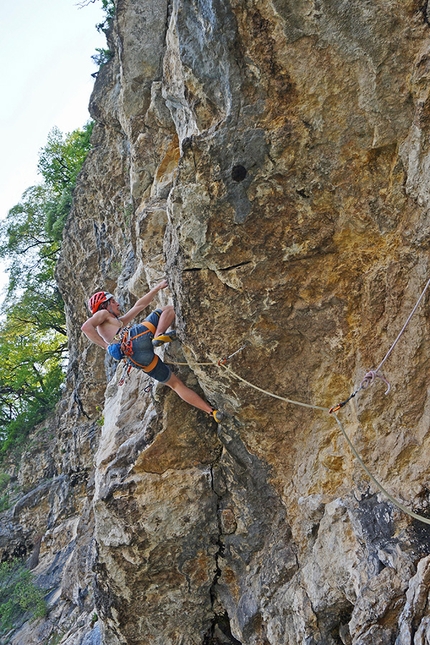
column 33, row 348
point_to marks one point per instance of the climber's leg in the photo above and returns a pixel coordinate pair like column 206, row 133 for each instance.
column 188, row 395
column 161, row 318
column 166, row 319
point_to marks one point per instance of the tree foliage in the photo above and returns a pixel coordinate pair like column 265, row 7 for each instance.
column 109, row 12
column 60, row 162
column 33, row 341
column 20, row 598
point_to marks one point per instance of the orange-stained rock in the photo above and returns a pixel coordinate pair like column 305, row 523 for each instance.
column 271, row 159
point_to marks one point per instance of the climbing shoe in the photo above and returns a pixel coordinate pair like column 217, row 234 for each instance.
column 167, row 337
column 218, row 415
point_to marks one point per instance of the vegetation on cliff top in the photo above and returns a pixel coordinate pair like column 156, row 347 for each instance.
column 33, row 343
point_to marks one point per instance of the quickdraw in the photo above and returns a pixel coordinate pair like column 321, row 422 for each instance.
column 224, row 360
column 125, row 372
column 337, row 407
column 365, row 383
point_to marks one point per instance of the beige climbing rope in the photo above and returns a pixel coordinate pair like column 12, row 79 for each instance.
column 383, row 490
column 366, row 382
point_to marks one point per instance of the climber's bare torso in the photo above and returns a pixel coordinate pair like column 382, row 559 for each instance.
column 104, row 325
column 109, row 328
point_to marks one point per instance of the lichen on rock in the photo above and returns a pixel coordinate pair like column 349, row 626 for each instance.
column 270, row 159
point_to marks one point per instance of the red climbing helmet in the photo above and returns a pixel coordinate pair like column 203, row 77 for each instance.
column 96, row 300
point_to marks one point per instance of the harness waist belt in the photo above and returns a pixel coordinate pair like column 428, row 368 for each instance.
column 146, row 368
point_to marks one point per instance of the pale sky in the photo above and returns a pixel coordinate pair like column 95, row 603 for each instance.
column 45, row 71
column 45, row 78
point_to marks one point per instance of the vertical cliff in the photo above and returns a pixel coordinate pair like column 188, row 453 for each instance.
column 272, row 160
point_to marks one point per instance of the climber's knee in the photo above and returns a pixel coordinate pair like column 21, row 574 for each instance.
column 173, row 381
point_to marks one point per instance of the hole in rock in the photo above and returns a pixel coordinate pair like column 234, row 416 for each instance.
column 238, row 173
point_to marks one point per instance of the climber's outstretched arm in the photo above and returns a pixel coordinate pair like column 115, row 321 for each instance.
column 142, row 303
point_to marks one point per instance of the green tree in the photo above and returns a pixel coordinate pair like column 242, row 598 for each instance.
column 30, row 236
column 33, row 343
column 30, row 377
column 20, row 598
column 60, row 162
column 25, row 239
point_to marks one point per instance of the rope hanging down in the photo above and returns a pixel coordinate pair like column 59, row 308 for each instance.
column 366, row 382
column 370, row 377
column 378, row 485
column 383, row 490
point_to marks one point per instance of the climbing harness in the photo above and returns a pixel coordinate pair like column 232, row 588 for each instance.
column 127, row 341
column 126, row 344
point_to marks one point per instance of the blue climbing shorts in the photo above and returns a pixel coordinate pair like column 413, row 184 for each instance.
column 143, row 352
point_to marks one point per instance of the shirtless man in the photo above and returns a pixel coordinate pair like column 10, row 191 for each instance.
column 104, row 329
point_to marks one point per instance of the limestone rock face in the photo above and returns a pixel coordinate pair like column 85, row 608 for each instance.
column 272, row 160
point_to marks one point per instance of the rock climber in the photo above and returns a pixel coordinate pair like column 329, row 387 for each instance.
column 111, row 330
